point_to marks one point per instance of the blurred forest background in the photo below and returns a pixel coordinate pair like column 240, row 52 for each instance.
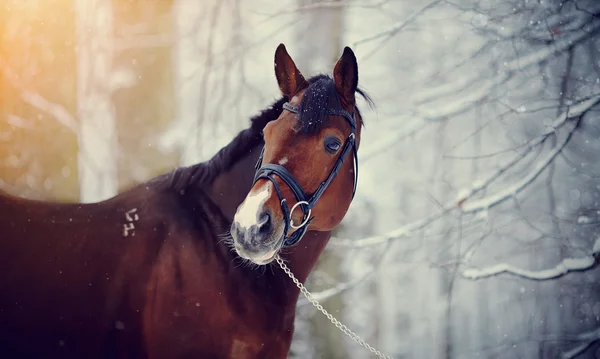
column 475, row 232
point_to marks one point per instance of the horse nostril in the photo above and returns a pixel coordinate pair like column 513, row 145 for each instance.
column 236, row 232
column 265, row 224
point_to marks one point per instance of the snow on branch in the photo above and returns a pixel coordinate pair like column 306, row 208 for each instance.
column 574, row 112
column 566, row 266
column 397, row 233
column 566, row 42
column 465, row 101
column 337, row 289
column 341, row 287
column 497, row 198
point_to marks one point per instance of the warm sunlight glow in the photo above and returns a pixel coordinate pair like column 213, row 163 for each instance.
column 37, row 58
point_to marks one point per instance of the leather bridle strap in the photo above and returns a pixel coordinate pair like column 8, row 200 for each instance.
column 306, row 204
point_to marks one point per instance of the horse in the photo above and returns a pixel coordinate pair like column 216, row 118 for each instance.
column 179, row 266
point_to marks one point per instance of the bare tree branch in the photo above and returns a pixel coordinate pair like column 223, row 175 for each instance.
column 342, row 287
column 566, row 42
column 57, row 111
column 18, row 121
column 339, row 288
column 575, row 111
column 495, row 199
column 324, row 5
column 395, row 234
column 487, row 202
column 566, row 266
column 483, row 89
column 412, row 128
column 399, row 26
column 589, row 338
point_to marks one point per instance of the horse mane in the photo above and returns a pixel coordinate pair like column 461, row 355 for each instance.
column 312, row 118
column 205, row 172
column 244, row 141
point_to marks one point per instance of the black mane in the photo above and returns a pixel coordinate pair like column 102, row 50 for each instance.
column 243, row 142
column 312, row 118
column 205, row 172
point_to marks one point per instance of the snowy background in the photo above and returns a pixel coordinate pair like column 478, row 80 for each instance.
column 475, row 232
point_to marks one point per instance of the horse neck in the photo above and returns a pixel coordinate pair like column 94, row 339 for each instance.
column 303, row 257
column 228, row 191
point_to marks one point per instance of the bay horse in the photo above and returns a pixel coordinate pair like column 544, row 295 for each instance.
column 158, row 271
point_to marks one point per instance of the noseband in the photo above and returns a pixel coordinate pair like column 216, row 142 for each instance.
column 305, row 202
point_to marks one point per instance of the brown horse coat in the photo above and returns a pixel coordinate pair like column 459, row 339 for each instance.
column 144, row 274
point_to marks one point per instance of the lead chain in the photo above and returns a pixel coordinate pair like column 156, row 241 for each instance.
column 318, row 305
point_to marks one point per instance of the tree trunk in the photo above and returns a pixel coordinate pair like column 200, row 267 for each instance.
column 328, row 338
column 325, row 24
column 97, row 125
column 143, row 88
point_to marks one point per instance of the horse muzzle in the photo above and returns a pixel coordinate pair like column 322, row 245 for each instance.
column 258, row 242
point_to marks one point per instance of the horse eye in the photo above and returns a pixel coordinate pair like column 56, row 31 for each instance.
column 332, row 144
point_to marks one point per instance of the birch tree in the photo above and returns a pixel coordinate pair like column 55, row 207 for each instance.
column 97, row 138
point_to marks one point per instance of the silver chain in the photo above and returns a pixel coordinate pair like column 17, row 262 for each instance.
column 318, row 305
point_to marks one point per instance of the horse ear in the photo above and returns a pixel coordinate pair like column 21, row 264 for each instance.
column 288, row 76
column 345, row 75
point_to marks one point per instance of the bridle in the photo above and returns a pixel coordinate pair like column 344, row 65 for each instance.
column 303, row 201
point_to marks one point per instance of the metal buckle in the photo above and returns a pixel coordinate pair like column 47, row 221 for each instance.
column 305, row 219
